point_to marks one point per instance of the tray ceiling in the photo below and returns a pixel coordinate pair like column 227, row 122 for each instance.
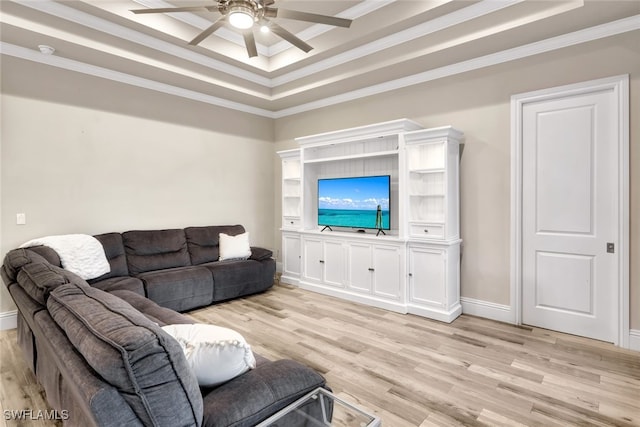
column 391, row 44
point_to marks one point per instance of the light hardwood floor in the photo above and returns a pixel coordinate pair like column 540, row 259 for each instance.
column 413, row 371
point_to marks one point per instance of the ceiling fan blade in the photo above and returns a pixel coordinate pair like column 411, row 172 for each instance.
column 250, row 43
column 176, row 9
column 313, row 17
column 206, row 33
column 279, row 31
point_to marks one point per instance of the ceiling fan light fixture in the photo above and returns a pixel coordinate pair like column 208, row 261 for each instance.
column 241, row 16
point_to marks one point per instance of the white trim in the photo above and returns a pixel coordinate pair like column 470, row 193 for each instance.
column 82, row 18
column 486, row 309
column 8, row 320
column 582, row 36
column 634, row 339
column 93, row 70
column 619, row 85
column 420, row 30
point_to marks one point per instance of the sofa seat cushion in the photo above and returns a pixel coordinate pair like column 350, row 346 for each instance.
column 151, row 250
column 232, row 279
column 180, row 288
column 131, row 353
column 258, row 394
column 160, row 315
column 132, row 284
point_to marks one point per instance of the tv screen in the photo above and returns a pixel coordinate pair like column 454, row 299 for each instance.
column 357, row 202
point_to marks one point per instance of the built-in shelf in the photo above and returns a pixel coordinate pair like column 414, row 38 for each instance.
column 414, row 268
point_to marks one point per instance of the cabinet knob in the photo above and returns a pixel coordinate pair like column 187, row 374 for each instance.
column 292, row 222
column 426, row 231
column 410, row 274
column 321, row 261
column 372, row 269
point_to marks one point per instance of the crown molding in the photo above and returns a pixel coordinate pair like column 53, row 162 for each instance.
column 70, row 14
column 624, row 25
column 117, row 76
column 582, row 36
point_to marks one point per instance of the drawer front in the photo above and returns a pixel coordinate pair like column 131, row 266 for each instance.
column 427, row 231
column 291, row 222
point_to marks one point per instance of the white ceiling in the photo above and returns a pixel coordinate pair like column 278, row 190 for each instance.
column 391, row 44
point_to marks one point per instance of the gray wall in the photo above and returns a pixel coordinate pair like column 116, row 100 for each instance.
column 80, row 154
column 83, row 155
column 478, row 103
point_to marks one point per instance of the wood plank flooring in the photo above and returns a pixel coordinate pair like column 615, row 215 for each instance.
column 412, row 371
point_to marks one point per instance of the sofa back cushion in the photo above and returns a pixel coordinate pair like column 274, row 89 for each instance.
column 130, row 352
column 15, row 259
column 114, row 251
column 39, row 279
column 155, row 250
column 203, row 242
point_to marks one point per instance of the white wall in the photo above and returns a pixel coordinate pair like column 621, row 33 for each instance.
column 130, row 159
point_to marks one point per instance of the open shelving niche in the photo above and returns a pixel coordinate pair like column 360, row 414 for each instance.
column 415, row 266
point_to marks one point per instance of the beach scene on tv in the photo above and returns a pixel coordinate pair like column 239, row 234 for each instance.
column 358, row 202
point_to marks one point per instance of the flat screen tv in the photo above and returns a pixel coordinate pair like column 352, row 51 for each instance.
column 356, row 202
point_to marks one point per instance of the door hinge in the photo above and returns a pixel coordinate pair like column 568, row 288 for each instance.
column 611, row 248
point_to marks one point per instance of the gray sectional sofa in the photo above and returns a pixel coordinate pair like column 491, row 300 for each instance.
column 98, row 349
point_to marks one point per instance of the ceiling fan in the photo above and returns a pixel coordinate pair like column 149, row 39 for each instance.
column 244, row 14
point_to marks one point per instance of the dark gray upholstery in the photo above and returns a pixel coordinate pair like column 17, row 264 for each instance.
column 132, row 284
column 151, row 250
column 39, row 279
column 159, row 315
column 180, row 288
column 230, row 280
column 131, row 353
column 264, row 391
column 72, row 385
column 114, row 251
column 98, row 349
column 203, row 242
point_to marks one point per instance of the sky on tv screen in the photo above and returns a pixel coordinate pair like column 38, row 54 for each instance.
column 361, row 193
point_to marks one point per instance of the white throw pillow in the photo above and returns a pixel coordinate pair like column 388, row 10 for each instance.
column 215, row 354
column 234, row 247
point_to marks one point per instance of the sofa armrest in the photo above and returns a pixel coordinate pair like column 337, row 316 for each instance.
column 260, row 254
column 259, row 393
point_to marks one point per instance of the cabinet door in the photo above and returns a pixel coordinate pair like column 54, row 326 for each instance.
column 427, row 276
column 291, row 255
column 313, row 260
column 360, row 267
column 386, row 277
column 334, row 263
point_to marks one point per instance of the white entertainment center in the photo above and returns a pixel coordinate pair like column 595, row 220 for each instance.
column 415, row 266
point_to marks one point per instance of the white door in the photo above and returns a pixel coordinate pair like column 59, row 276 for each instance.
column 334, row 263
column 291, row 246
column 313, row 260
column 427, row 276
column 570, row 214
column 360, row 267
column 386, row 277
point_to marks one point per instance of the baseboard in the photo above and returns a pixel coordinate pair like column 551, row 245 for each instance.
column 486, row 309
column 8, row 320
column 634, row 339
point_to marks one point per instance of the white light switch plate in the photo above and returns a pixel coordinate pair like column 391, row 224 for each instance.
column 21, row 219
